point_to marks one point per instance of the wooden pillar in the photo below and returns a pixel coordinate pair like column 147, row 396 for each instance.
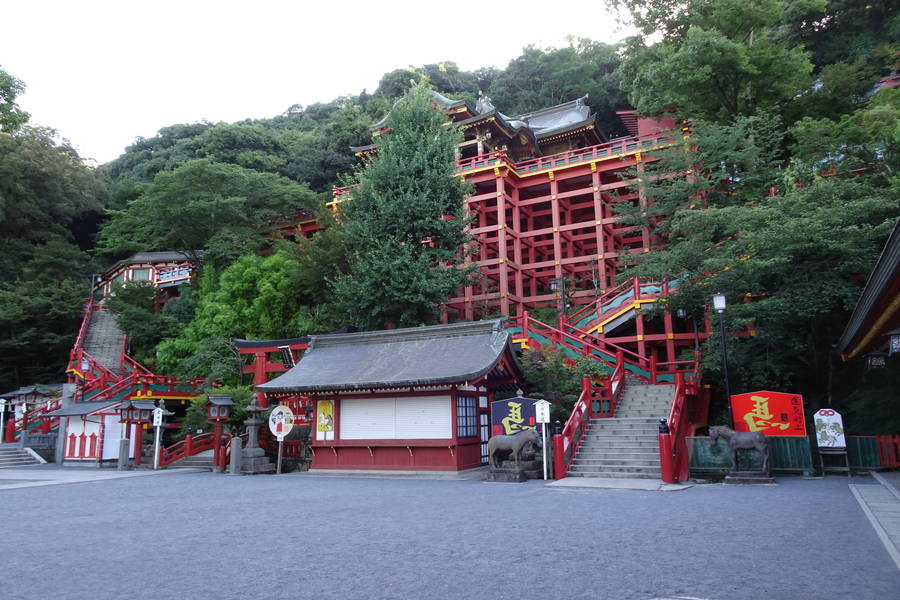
column 138, row 436
column 600, row 234
column 554, row 212
column 639, row 326
column 501, row 247
column 670, row 336
column 642, row 199
column 517, row 244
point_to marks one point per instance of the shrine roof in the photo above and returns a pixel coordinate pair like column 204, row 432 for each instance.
column 878, row 308
column 552, row 120
column 152, row 257
column 416, row 356
column 43, row 390
column 83, row 408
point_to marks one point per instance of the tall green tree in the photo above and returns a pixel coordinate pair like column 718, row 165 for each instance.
column 221, row 208
column 789, row 247
column 405, row 223
column 11, row 114
column 717, row 60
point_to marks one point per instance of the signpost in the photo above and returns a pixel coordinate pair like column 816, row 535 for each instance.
column 281, row 421
column 2, row 419
column 542, row 415
column 157, row 423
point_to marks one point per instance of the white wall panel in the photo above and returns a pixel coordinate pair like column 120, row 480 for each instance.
column 425, row 417
column 367, row 419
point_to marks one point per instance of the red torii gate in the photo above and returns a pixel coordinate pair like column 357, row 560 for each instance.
column 287, row 351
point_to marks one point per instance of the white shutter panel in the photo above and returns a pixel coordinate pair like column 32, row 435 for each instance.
column 367, row 418
column 426, row 417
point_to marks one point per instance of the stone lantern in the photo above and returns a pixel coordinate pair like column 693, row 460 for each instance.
column 140, row 414
column 218, row 410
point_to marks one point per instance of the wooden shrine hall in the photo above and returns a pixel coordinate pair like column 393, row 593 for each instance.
column 402, row 399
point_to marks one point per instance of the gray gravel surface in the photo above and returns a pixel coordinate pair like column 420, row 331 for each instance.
column 212, row 536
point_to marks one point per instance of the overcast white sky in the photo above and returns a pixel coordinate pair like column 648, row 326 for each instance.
column 105, row 72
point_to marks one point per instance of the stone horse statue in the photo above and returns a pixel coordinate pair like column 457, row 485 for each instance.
column 514, row 444
column 739, row 439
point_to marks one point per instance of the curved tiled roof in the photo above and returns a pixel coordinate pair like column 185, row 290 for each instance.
column 417, row 356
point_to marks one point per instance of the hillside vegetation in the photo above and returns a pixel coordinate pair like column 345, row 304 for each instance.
column 792, row 188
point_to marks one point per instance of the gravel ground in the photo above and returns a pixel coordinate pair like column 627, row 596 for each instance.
column 214, row 536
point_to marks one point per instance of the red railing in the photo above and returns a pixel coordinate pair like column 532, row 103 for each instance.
column 581, row 345
column 581, row 342
column 628, row 145
column 673, row 451
column 33, row 420
column 600, row 309
column 191, row 446
column 79, row 341
column 565, row 445
column 888, row 450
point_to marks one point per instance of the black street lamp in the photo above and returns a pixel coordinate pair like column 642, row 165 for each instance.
column 719, row 305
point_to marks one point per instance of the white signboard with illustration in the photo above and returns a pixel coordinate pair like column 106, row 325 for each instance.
column 829, row 429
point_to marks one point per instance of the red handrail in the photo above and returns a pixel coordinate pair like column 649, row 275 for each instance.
column 587, row 343
column 84, row 322
column 190, row 446
column 673, row 451
column 627, row 145
column 565, row 445
column 888, row 450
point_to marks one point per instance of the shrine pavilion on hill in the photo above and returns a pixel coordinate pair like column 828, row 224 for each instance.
column 402, row 399
column 486, row 129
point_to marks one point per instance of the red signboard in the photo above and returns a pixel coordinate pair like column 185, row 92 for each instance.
column 771, row 413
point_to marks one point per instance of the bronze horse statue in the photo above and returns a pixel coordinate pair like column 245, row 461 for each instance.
column 740, row 439
column 513, row 444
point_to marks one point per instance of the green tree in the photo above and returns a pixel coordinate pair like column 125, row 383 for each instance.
column 789, row 247
column 196, row 417
column 12, row 117
column 204, row 205
column 405, row 223
column 717, row 61
column 257, row 297
column 137, row 315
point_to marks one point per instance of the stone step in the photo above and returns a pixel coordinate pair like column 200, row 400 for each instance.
column 622, row 444
column 620, row 439
column 603, row 463
column 613, row 475
column 629, row 468
column 616, row 454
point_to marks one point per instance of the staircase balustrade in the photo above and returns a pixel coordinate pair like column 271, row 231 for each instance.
column 565, row 444
column 673, row 450
column 192, row 445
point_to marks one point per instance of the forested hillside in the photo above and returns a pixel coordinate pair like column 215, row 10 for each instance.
column 791, row 190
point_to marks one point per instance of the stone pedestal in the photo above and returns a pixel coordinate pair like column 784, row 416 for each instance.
column 253, row 458
column 510, row 473
column 748, row 477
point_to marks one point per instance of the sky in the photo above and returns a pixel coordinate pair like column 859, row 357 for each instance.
column 103, row 73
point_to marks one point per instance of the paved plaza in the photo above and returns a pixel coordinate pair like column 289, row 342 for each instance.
column 202, row 535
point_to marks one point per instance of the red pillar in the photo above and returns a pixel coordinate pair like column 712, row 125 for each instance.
column 138, row 435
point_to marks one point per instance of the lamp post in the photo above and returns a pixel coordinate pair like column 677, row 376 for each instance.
column 137, row 413
column 218, row 410
column 719, row 305
column 558, row 285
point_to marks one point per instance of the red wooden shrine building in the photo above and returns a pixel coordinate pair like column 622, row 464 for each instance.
column 545, row 187
column 401, row 399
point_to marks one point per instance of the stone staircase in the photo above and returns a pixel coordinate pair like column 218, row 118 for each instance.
column 11, row 457
column 627, row 445
column 104, row 341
